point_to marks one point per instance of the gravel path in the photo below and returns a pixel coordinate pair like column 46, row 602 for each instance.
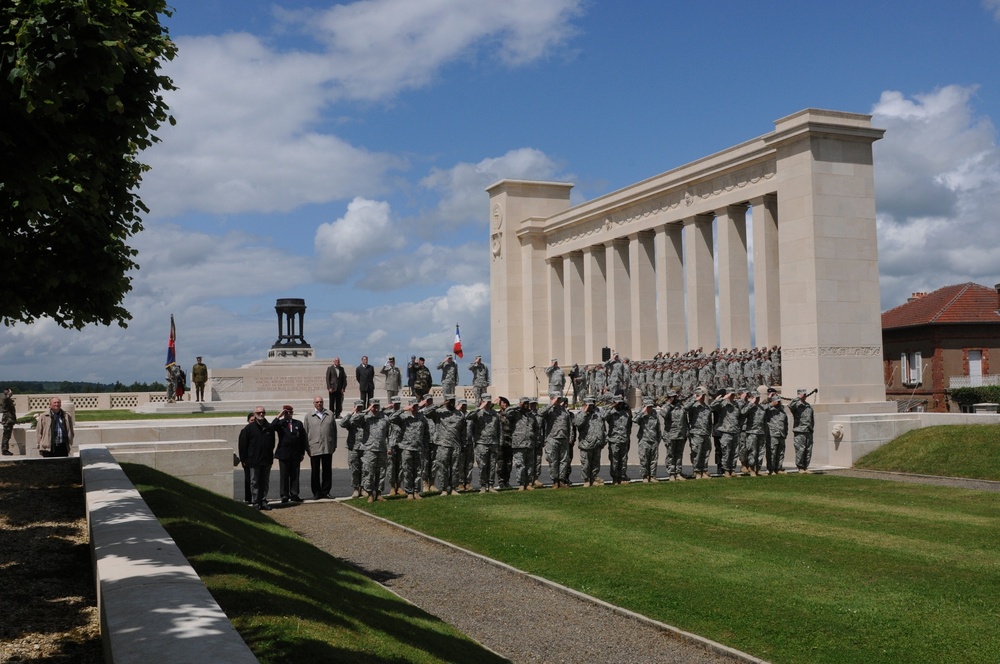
column 514, row 614
column 957, row 482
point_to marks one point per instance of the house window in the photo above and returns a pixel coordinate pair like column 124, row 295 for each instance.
column 910, row 366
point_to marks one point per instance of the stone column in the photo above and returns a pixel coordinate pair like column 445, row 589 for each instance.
column 699, row 268
column 643, row 295
column 831, row 334
column 619, row 296
column 734, row 281
column 557, row 314
column 516, row 208
column 670, row 323
column 575, row 320
column 595, row 302
column 766, row 286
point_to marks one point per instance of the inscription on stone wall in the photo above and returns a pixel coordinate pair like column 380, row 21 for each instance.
column 288, row 383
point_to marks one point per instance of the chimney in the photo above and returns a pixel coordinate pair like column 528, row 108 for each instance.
column 996, row 287
column 916, row 296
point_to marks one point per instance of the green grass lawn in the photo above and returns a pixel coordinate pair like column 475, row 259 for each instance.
column 955, row 451
column 790, row 569
column 290, row 601
column 109, row 415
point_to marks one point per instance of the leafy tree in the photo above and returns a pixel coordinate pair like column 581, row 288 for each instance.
column 79, row 98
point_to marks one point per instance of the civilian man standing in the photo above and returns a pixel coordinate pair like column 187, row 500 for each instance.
column 256, row 448
column 365, row 375
column 8, row 417
column 321, row 435
column 54, row 431
column 336, row 383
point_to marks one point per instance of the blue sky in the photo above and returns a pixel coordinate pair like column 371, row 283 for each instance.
column 339, row 152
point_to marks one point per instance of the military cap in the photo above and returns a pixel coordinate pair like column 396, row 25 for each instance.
column 671, row 393
column 397, row 400
column 618, row 398
column 589, row 400
column 533, row 400
column 647, row 401
column 462, row 402
column 375, row 402
column 359, row 402
column 524, row 400
column 288, row 408
column 801, row 390
column 486, row 397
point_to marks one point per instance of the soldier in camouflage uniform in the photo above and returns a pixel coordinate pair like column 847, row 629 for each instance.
column 777, row 430
column 449, row 375
column 467, row 458
column 394, row 455
column 674, row 435
column 8, row 418
column 352, row 424
column 591, row 439
column 487, row 431
column 755, row 416
column 505, row 458
column 413, row 440
column 648, row 434
column 375, row 425
column 522, row 441
column 727, row 414
column 449, row 436
column 558, row 425
column 618, row 419
column 802, row 428
column 557, row 378
column 480, row 378
column 699, row 417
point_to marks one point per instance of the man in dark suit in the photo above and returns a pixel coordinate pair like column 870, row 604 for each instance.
column 291, row 449
column 336, row 383
column 365, row 373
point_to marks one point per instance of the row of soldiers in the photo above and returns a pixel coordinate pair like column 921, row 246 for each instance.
column 420, row 447
column 654, row 378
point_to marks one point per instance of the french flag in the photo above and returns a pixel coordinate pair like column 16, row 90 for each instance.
column 458, row 343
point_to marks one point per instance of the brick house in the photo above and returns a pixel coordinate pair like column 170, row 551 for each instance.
column 940, row 340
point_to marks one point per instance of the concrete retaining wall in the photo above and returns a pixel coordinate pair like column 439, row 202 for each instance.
column 153, row 606
column 205, row 463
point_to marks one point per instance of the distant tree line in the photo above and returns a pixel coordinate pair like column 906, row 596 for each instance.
column 78, row 387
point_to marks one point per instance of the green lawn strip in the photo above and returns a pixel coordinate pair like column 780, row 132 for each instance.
column 290, row 601
column 953, row 451
column 790, row 569
column 120, row 415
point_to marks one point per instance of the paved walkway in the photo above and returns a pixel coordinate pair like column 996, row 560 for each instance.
column 521, row 617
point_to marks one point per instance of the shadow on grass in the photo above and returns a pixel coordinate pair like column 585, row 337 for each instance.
column 288, row 599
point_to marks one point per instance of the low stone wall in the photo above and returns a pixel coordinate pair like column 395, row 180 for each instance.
column 853, row 436
column 204, row 463
column 153, row 606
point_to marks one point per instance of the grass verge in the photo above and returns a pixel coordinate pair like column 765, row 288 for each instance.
column 117, row 415
column 790, row 569
column 290, row 601
column 953, row 451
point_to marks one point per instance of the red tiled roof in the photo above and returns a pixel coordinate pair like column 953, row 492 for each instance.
column 962, row 303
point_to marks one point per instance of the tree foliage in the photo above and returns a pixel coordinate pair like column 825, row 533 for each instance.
column 967, row 396
column 79, row 99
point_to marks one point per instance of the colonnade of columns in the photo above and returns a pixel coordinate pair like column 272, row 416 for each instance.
column 655, row 290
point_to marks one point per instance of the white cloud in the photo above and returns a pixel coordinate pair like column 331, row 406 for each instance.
column 425, row 327
column 937, row 177
column 993, row 6
column 245, row 138
column 354, row 240
column 461, row 187
column 429, row 264
column 378, row 47
column 249, row 134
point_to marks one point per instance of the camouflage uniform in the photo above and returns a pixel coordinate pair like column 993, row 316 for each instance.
column 727, row 415
column 558, row 424
column 522, row 441
column 487, row 431
column 777, row 429
column 619, row 422
column 449, row 436
column 648, row 433
column 804, row 420
column 449, row 376
column 589, row 425
column 352, row 424
column 675, row 429
column 480, row 379
column 699, row 417
column 373, row 462
column 413, row 441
